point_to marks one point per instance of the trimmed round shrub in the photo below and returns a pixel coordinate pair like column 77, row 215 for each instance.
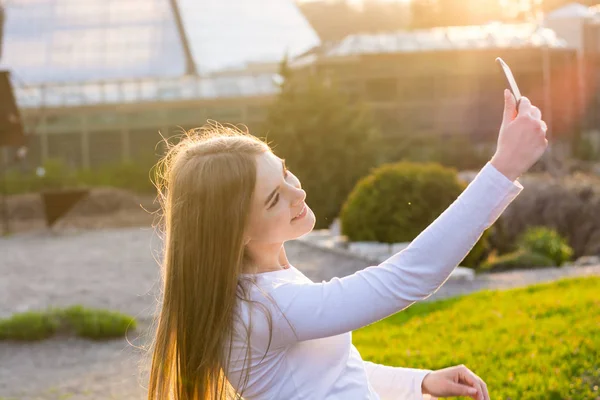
column 398, row 201
column 548, row 242
column 516, row 260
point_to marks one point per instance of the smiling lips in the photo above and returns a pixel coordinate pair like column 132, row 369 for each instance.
column 301, row 215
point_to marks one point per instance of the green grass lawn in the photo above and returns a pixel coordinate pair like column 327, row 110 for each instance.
column 540, row 342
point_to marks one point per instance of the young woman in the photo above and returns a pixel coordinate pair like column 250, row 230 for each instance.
column 238, row 320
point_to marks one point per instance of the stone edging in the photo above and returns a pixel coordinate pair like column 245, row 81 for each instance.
column 336, row 251
column 459, row 273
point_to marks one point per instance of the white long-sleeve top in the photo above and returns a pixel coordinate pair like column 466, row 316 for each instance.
column 310, row 354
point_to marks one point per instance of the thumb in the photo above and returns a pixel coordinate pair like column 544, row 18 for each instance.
column 461, row 390
column 510, row 106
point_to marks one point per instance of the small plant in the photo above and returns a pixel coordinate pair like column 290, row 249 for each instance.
column 29, row 326
column 98, row 324
column 86, row 322
column 547, row 242
column 515, row 260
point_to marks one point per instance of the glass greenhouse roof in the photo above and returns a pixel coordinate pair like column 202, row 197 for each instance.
column 491, row 36
column 81, row 40
column 144, row 90
column 229, row 33
column 88, row 51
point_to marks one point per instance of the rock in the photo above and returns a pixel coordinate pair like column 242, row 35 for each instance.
column 325, row 239
column 371, row 250
column 462, row 274
column 596, row 169
column 587, row 261
column 336, row 227
column 467, row 176
column 398, row 247
column 316, row 236
column 375, row 251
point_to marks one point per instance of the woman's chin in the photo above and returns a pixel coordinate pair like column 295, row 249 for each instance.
column 305, row 225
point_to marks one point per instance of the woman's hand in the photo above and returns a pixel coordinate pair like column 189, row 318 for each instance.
column 522, row 140
column 455, row 381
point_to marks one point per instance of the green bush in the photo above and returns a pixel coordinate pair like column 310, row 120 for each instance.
column 398, row 201
column 56, row 176
column 456, row 151
column 568, row 205
column 519, row 259
column 29, row 326
column 98, row 324
column 133, row 176
column 547, row 242
column 86, row 322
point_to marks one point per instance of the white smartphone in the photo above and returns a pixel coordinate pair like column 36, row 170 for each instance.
column 511, row 80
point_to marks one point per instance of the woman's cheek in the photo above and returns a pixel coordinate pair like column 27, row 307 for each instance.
column 276, row 218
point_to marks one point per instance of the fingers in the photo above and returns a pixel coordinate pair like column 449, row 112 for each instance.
column 525, row 106
column 462, row 390
column 526, row 109
column 539, row 127
column 476, row 382
column 535, row 113
column 510, row 106
column 544, row 127
column 486, row 394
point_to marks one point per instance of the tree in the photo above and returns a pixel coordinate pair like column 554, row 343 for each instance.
column 326, row 140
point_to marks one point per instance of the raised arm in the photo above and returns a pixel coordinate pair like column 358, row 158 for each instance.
column 309, row 310
column 316, row 310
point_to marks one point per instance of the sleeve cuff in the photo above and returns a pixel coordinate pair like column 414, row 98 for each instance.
column 418, row 384
column 491, row 190
column 417, row 377
column 499, row 178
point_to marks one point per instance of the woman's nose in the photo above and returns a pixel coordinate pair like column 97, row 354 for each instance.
column 299, row 196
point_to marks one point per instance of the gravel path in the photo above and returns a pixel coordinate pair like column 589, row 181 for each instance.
column 116, row 269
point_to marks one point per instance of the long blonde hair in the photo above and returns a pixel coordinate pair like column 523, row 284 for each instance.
column 205, row 183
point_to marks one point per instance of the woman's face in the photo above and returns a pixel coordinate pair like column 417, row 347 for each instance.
column 279, row 212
